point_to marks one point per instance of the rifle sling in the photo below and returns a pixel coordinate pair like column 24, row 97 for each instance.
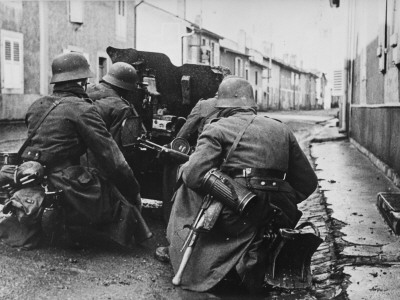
column 236, row 142
column 34, row 130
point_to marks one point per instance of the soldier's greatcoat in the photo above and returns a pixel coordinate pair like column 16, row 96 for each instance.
column 67, row 132
column 203, row 111
column 235, row 242
column 112, row 108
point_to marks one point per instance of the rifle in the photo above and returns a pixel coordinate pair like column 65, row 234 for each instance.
column 204, row 221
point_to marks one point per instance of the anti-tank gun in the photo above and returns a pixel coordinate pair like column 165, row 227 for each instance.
column 165, row 96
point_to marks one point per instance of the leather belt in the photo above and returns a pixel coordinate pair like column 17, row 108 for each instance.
column 255, row 172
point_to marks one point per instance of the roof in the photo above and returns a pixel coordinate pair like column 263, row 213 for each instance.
column 234, row 51
column 290, row 67
column 207, row 32
column 257, row 63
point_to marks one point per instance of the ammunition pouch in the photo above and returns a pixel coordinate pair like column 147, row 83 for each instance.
column 226, row 190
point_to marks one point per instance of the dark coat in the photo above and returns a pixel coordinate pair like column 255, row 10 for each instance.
column 112, row 108
column 67, row 132
column 235, row 242
column 202, row 112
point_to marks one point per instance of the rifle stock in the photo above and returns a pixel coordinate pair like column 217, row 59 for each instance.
column 191, row 238
column 188, row 252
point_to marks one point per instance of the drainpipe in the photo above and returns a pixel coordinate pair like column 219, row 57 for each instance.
column 185, row 36
column 44, row 48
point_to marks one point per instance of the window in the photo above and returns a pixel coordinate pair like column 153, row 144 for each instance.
column 121, row 19
column 203, row 42
column 12, row 63
column 212, row 53
column 238, row 67
column 247, row 74
column 337, row 83
column 256, row 96
column 76, row 10
column 256, row 77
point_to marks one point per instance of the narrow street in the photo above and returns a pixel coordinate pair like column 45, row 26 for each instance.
column 100, row 270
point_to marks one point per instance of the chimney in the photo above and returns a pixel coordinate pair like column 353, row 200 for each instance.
column 242, row 40
column 286, row 58
column 181, row 9
column 293, row 60
column 268, row 49
column 199, row 21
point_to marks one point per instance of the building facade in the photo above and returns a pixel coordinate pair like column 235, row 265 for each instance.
column 288, row 87
column 34, row 32
column 371, row 107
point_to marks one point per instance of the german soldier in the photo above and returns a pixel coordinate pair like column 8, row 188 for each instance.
column 201, row 114
column 68, row 130
column 111, row 96
column 265, row 158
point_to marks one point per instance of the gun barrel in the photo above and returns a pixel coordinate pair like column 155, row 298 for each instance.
column 177, row 156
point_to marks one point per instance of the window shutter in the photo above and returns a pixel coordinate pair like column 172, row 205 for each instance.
column 76, row 10
column 8, row 50
column 12, row 61
column 12, row 66
column 121, row 23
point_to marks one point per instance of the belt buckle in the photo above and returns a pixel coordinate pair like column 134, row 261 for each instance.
column 246, row 171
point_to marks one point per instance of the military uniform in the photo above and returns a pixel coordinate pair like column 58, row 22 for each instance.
column 267, row 147
column 113, row 109
column 202, row 112
column 67, row 132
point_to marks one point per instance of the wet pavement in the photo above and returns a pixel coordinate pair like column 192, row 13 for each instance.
column 364, row 252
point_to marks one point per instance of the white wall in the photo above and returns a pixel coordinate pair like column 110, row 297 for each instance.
column 158, row 31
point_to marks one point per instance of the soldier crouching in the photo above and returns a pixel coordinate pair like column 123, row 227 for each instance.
column 263, row 156
column 62, row 127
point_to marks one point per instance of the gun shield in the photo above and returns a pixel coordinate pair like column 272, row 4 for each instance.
column 226, row 190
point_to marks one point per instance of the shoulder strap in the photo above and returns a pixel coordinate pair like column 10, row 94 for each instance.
column 27, row 141
column 236, row 142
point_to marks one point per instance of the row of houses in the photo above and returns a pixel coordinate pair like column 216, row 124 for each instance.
column 34, row 32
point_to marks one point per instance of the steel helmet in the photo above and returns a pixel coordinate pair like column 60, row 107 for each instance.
column 122, row 75
column 235, row 92
column 70, row 66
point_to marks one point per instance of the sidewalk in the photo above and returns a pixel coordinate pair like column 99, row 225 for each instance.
column 366, row 250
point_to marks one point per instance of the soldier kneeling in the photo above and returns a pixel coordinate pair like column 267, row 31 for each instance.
column 61, row 128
